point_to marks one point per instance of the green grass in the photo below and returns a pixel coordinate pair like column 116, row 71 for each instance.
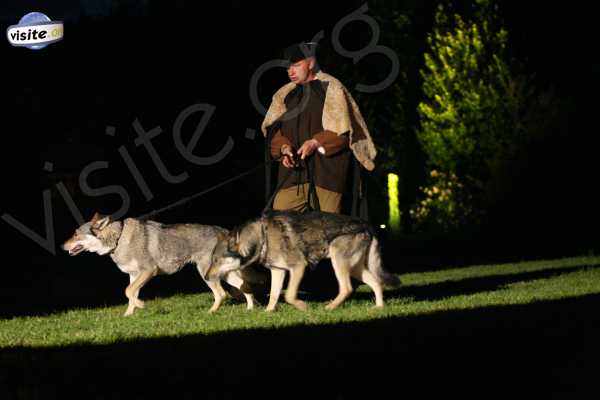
column 421, row 294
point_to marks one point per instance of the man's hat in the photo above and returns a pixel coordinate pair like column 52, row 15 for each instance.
column 300, row 51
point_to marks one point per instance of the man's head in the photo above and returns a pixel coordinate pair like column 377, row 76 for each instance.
column 302, row 71
column 302, row 66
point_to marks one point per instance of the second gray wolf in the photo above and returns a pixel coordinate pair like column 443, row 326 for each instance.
column 289, row 241
column 144, row 249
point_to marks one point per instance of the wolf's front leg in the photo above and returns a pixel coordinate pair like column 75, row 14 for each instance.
column 291, row 294
column 131, row 305
column 234, row 279
column 277, row 277
column 132, row 291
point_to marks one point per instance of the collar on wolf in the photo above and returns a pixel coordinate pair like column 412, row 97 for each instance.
column 112, row 239
column 119, row 238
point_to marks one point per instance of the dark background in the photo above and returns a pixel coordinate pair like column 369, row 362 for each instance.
column 149, row 60
column 122, row 61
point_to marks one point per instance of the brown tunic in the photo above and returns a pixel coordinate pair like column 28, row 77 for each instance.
column 301, row 122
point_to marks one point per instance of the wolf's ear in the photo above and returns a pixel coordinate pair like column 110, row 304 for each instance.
column 95, row 217
column 100, row 222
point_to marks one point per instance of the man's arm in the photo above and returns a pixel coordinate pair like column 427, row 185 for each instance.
column 282, row 150
column 277, row 143
column 326, row 142
column 331, row 143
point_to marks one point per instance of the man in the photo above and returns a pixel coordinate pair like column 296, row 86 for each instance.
column 314, row 128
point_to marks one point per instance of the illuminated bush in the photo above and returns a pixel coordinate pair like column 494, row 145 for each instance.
column 444, row 204
column 469, row 116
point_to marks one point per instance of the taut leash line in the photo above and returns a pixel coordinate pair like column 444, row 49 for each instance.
column 195, row 196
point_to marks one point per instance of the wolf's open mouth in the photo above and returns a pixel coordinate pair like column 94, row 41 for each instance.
column 76, row 250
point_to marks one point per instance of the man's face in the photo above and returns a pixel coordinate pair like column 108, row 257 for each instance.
column 300, row 71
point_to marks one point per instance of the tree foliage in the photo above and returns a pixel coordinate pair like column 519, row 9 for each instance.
column 471, row 114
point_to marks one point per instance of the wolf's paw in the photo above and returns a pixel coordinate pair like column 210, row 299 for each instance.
column 139, row 303
column 300, row 305
column 129, row 311
column 331, row 306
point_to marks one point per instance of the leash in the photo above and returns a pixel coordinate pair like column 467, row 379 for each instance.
column 195, row 196
column 283, row 180
column 269, row 204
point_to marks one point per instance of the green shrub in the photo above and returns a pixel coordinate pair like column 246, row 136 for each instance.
column 469, row 116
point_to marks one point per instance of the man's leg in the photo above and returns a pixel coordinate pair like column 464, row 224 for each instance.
column 329, row 201
column 292, row 198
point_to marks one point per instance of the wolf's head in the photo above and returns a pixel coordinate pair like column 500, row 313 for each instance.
column 237, row 250
column 92, row 236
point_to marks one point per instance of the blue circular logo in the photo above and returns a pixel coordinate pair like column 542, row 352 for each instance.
column 31, row 19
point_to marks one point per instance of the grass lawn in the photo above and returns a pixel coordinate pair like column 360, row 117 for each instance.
column 504, row 319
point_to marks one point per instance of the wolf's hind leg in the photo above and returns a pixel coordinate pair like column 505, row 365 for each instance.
column 361, row 273
column 215, row 286
column 235, row 280
column 277, row 278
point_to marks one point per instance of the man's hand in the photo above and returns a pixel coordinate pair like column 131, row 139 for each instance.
column 288, row 160
column 308, row 148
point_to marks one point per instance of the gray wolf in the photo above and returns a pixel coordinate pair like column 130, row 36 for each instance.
column 289, row 241
column 144, row 249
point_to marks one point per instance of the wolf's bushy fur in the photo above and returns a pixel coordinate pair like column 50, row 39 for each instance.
column 144, row 249
column 289, row 241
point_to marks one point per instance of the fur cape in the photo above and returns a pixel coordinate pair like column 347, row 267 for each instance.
column 340, row 115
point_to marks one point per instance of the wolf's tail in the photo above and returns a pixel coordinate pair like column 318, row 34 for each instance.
column 374, row 265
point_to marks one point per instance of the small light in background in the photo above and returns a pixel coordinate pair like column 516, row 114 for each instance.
column 382, row 226
column 394, row 209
